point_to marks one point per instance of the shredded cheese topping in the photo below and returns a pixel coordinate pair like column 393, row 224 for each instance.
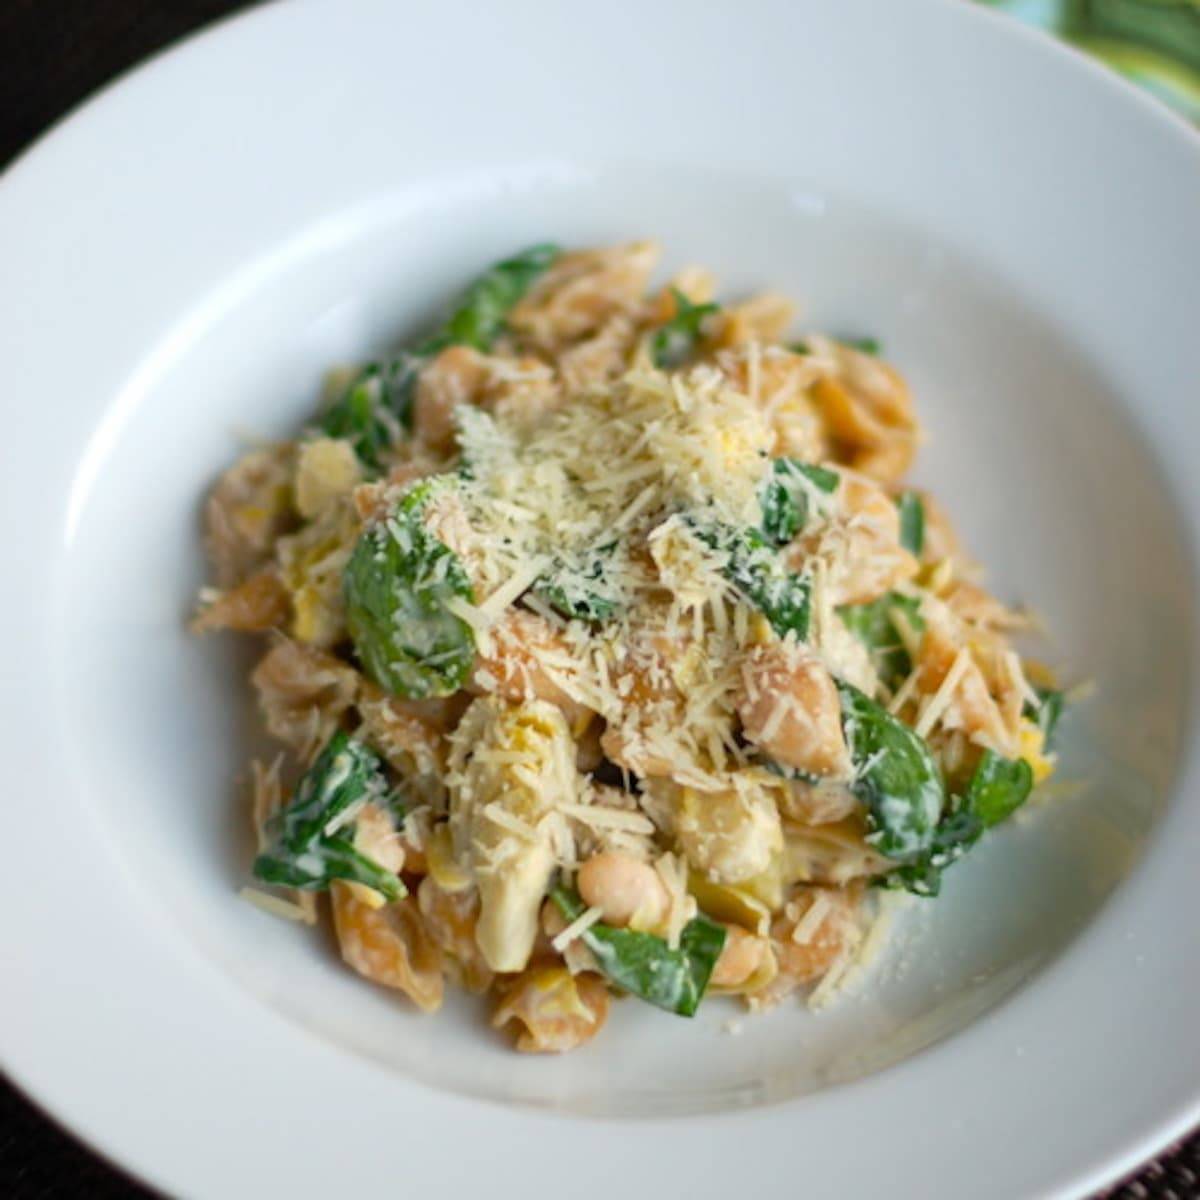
column 629, row 687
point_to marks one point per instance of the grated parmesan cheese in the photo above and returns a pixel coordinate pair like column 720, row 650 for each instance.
column 580, row 925
column 935, row 707
column 279, row 907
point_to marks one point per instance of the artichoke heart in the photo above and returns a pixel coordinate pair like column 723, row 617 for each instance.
column 511, row 767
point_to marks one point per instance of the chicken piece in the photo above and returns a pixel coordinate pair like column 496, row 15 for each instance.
column 458, row 375
column 411, row 736
column 604, row 355
column 373, row 501
column 822, row 803
column 654, row 674
column 779, row 381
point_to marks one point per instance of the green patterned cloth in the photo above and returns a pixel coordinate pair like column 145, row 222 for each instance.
column 1155, row 43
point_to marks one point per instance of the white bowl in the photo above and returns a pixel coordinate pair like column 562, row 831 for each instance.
column 185, row 256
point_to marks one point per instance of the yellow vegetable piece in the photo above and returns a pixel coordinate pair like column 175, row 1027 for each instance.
column 733, row 836
column 552, row 1009
column 443, row 866
column 311, row 564
column 326, row 470
column 734, row 904
column 1032, row 744
column 829, row 854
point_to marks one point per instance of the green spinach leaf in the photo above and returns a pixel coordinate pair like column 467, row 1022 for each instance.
column 377, row 407
column 864, row 345
column 896, row 776
column 874, row 624
column 675, row 342
column 397, row 585
column 785, row 496
column 912, row 522
column 301, row 853
column 479, row 318
column 344, row 772
column 956, row 833
column 998, row 787
column 754, row 567
column 674, row 980
column 579, row 584
column 372, row 412
column 324, row 861
column 1047, row 713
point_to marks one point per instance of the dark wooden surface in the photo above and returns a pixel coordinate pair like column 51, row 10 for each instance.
column 54, row 54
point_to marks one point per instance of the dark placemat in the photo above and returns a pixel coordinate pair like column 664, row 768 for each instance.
column 53, row 54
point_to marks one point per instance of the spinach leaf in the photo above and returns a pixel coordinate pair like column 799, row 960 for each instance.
column 397, row 584
column 998, row 787
column 756, row 570
column 785, row 496
column 1047, row 713
column 912, row 522
column 896, row 776
column 378, row 405
column 578, row 584
column 301, row 853
column 864, row 345
column 344, row 772
column 479, row 318
column 956, row 833
column 327, row 859
column 675, row 342
column 373, row 411
column 645, row 965
column 874, row 624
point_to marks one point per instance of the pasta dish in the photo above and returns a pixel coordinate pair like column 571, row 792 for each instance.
column 610, row 655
